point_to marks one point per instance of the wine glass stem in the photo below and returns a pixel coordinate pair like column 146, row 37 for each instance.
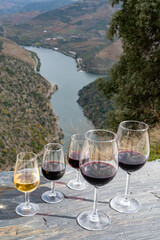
column 27, row 199
column 78, row 176
column 126, row 196
column 53, row 188
column 94, row 217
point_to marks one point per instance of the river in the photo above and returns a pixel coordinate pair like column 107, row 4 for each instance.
column 60, row 69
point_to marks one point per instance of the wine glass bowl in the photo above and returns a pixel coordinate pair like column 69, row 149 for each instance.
column 74, row 153
column 133, row 144
column 98, row 165
column 53, row 168
column 26, row 179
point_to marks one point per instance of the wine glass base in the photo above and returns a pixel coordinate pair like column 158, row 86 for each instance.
column 77, row 185
column 49, row 198
column 24, row 210
column 120, row 204
column 85, row 221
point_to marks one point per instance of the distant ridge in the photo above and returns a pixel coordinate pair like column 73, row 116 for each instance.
column 78, row 28
column 16, row 6
column 45, row 6
column 77, row 9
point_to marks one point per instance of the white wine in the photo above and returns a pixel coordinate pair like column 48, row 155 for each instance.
column 26, row 179
column 26, row 182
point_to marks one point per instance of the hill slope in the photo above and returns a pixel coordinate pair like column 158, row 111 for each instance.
column 77, row 29
column 45, row 5
column 94, row 103
column 14, row 6
column 27, row 119
column 96, row 107
column 11, row 49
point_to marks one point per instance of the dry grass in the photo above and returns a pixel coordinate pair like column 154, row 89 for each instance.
column 155, row 143
column 12, row 49
column 101, row 13
column 113, row 52
column 86, row 45
column 155, row 135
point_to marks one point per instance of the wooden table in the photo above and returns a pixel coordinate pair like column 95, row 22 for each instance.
column 58, row 221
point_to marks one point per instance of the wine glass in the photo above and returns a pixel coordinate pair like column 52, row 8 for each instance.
column 53, row 168
column 74, row 152
column 133, row 144
column 26, row 179
column 98, row 165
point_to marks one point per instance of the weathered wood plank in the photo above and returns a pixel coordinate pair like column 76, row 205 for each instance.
column 58, row 221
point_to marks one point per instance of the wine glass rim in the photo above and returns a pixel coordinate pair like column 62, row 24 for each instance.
column 31, row 159
column 53, row 144
column 101, row 130
column 78, row 140
column 146, row 127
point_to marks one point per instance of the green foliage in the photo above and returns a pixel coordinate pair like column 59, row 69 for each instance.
column 27, row 120
column 38, row 66
column 1, row 144
column 154, row 152
column 1, row 80
column 79, row 22
column 1, row 45
column 38, row 96
column 10, row 71
column 3, row 161
column 4, row 152
column 35, row 57
column 1, row 29
column 94, row 104
column 134, row 81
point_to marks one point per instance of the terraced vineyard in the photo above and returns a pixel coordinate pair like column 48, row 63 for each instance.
column 77, row 29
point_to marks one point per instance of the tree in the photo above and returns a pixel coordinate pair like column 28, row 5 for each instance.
column 134, row 84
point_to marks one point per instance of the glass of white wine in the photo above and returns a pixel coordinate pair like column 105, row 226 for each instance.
column 26, row 179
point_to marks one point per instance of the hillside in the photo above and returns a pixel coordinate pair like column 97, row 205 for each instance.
column 96, row 107
column 94, row 103
column 45, row 5
column 22, row 17
column 12, row 6
column 27, row 119
column 11, row 49
column 20, row 7
column 77, row 29
column 15, row 6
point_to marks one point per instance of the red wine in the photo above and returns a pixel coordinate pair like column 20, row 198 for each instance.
column 98, row 173
column 73, row 159
column 53, row 170
column 131, row 161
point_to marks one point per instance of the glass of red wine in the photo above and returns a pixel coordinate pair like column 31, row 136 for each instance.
column 98, row 165
column 74, row 152
column 133, row 145
column 53, row 168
